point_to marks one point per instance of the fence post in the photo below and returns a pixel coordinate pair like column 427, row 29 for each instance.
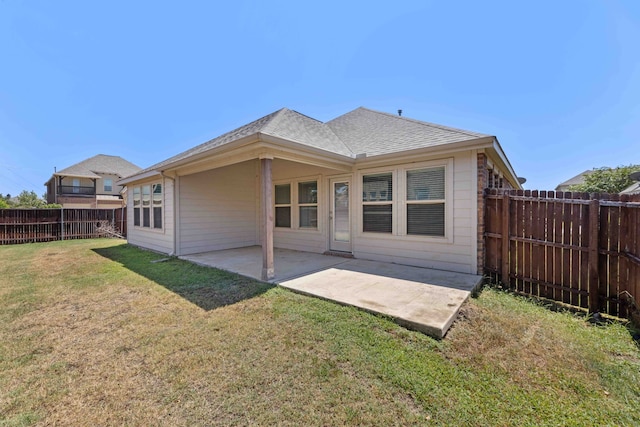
column 594, row 276
column 61, row 223
column 506, row 214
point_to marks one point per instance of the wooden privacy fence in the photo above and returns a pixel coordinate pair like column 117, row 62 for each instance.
column 580, row 249
column 44, row 225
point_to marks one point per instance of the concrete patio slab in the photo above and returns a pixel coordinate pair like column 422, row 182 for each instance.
column 419, row 298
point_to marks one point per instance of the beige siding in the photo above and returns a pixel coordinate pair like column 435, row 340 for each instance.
column 454, row 254
column 115, row 189
column 218, row 209
column 157, row 240
column 301, row 239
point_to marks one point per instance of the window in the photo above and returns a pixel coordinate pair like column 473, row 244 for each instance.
column 76, row 185
column 426, row 201
column 308, row 204
column 157, row 205
column 409, row 201
column 108, row 185
column 136, row 206
column 147, row 206
column 377, row 203
column 296, row 205
column 283, row 205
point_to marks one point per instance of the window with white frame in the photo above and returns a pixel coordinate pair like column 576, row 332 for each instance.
column 296, row 204
column 157, row 205
column 308, row 204
column 426, row 201
column 147, row 206
column 76, row 185
column 136, row 206
column 108, row 184
column 377, row 203
column 283, row 205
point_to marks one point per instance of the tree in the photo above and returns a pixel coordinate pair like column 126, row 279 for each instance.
column 29, row 199
column 607, row 180
column 3, row 203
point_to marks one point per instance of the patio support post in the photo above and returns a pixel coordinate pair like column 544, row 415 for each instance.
column 267, row 218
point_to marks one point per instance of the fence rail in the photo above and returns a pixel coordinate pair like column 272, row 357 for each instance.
column 45, row 225
column 576, row 248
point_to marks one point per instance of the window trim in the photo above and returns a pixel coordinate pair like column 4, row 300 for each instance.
column 391, row 202
column 425, row 201
column 399, row 202
column 138, row 222
column 295, row 204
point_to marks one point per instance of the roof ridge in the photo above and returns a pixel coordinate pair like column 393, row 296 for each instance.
column 272, row 124
column 424, row 123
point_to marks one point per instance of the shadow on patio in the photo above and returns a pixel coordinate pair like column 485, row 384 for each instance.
column 206, row 287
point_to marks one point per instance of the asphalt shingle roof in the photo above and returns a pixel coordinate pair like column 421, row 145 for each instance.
column 374, row 133
column 359, row 131
column 101, row 163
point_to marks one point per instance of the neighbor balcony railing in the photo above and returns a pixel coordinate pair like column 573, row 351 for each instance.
column 73, row 189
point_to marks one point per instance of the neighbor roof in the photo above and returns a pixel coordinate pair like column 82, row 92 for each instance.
column 361, row 131
column 632, row 189
column 578, row 179
column 100, row 164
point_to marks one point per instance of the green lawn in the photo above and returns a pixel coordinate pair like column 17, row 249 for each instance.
column 92, row 332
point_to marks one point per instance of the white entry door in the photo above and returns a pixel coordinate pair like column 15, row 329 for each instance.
column 340, row 216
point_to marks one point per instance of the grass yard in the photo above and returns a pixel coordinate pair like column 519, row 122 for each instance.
column 92, row 332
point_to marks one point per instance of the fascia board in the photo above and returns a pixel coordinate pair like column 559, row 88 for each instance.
column 146, row 175
column 410, row 155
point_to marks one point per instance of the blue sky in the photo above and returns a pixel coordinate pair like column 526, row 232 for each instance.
column 558, row 82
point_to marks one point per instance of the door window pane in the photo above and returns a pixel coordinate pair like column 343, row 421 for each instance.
column 341, row 230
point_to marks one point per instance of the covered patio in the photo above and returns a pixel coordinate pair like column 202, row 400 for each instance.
column 423, row 299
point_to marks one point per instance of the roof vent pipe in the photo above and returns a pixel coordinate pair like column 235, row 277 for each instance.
column 400, row 113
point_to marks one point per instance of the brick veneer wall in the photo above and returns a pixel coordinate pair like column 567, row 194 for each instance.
column 483, row 179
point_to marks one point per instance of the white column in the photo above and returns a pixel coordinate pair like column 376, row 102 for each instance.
column 267, row 218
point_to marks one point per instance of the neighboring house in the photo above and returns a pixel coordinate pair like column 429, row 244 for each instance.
column 91, row 183
column 578, row 179
column 371, row 184
column 635, row 187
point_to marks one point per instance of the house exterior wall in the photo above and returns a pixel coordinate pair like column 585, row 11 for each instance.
column 218, row 209
column 160, row 240
column 454, row 252
column 308, row 240
column 115, row 189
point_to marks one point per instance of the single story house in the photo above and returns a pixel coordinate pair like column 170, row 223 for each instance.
column 374, row 185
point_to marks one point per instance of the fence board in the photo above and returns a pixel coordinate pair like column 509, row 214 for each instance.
column 576, row 248
column 44, row 225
